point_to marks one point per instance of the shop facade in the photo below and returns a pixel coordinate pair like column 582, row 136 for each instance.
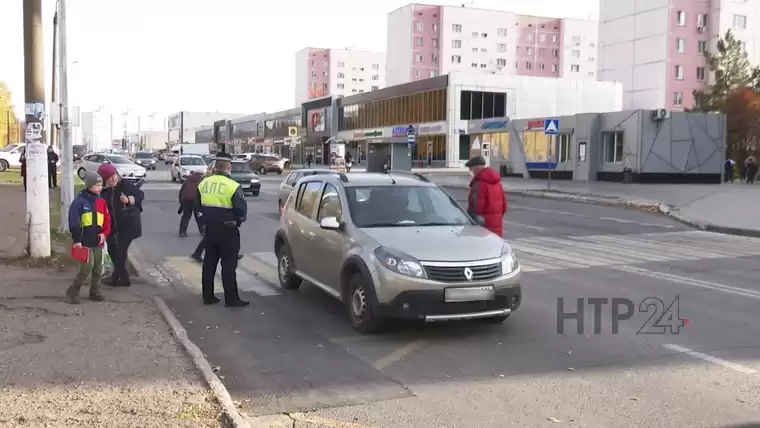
column 282, row 134
column 318, row 120
column 636, row 146
column 247, row 134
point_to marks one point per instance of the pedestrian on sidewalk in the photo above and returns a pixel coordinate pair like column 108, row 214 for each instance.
column 728, row 170
column 187, row 203
column 22, row 160
column 349, row 161
column 486, row 199
column 52, row 165
column 90, row 225
column 750, row 165
column 125, row 205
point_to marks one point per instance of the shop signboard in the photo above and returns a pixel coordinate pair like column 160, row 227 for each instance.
column 431, row 129
column 534, row 124
column 371, row 134
column 494, row 124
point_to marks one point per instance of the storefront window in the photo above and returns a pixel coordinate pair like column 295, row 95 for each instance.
column 422, row 107
column 535, row 146
column 429, row 149
column 475, row 105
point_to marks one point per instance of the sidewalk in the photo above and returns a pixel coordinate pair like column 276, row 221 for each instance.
column 726, row 208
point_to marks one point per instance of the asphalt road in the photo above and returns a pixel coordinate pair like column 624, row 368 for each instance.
column 292, row 352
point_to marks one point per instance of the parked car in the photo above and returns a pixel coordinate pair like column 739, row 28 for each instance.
column 10, row 156
column 287, row 185
column 394, row 246
column 243, row 174
column 264, row 163
column 208, row 158
column 185, row 165
column 169, row 157
column 145, row 160
column 126, row 168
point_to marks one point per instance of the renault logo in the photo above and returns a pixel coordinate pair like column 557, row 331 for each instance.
column 468, row 274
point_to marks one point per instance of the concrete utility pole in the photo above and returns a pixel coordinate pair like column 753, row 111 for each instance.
column 37, row 196
column 67, row 150
column 54, row 88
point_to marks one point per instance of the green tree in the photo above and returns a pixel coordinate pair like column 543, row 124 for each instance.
column 730, row 70
column 8, row 122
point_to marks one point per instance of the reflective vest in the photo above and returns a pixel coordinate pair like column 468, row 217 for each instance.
column 217, row 191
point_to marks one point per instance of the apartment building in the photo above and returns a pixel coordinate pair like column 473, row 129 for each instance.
column 425, row 41
column 656, row 49
column 339, row 72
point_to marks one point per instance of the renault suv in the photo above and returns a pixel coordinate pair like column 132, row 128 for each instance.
column 394, row 246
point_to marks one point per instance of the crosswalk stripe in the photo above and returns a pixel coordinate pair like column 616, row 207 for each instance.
column 190, row 273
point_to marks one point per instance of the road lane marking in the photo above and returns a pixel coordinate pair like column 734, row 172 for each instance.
column 690, row 281
column 261, row 269
column 613, row 219
column 527, row 226
column 190, row 272
column 398, row 355
column 710, row 359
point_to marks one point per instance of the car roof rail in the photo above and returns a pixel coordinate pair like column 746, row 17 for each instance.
column 415, row 174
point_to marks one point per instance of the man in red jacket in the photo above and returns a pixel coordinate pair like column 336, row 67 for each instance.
column 486, row 199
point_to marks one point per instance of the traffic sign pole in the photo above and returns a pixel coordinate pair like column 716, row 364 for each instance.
column 551, row 130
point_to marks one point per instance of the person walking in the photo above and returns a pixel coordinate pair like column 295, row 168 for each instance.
column 52, row 165
column 90, row 225
column 124, row 201
column 728, row 171
column 309, row 160
column 349, row 161
column 22, row 160
column 223, row 209
column 187, row 203
column 486, row 199
column 750, row 165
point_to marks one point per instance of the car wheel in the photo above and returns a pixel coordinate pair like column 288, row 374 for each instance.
column 363, row 320
column 279, row 172
column 263, row 170
column 287, row 165
column 288, row 280
column 81, row 173
column 495, row 320
column 3, row 166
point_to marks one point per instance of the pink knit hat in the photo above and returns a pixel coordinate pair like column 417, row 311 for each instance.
column 106, row 171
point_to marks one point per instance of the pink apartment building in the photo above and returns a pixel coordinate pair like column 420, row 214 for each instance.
column 426, row 41
column 656, row 49
column 339, row 72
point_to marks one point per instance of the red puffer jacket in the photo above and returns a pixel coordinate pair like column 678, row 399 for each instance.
column 487, row 200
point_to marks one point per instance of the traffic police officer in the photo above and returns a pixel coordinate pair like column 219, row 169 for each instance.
column 222, row 209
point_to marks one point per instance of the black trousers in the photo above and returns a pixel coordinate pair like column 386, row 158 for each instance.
column 222, row 244
column 188, row 210
column 118, row 248
column 52, row 176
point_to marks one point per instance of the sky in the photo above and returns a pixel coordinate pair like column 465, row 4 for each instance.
column 233, row 56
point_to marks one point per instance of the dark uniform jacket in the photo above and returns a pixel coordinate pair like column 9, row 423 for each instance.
column 125, row 219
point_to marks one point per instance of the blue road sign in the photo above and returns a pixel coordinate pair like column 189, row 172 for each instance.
column 551, row 126
column 411, row 138
column 410, row 130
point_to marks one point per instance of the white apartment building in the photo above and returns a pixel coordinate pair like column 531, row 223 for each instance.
column 339, row 72
column 656, row 48
column 425, row 41
column 181, row 126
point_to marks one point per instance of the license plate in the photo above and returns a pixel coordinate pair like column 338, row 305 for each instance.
column 469, row 294
column 246, row 186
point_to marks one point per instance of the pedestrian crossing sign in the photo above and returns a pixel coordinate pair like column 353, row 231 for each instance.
column 551, row 126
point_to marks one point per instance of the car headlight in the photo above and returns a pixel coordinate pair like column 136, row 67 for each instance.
column 186, row 172
column 400, row 263
column 254, row 180
column 152, row 161
column 509, row 262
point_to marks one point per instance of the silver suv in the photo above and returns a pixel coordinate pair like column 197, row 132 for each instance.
column 394, row 246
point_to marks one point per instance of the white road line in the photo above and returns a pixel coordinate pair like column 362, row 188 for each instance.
column 613, row 219
column 690, row 281
column 527, row 226
column 710, row 359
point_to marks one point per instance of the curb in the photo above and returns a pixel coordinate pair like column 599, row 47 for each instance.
column 617, row 202
column 201, row 363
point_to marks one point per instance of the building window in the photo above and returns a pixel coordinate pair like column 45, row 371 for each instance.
column 702, row 47
column 555, row 39
column 433, row 74
column 680, row 45
column 517, row 65
column 418, row 57
column 475, row 105
column 374, row 88
column 474, row 65
column 591, row 59
column 613, row 146
column 484, row 35
column 591, row 45
column 474, row 49
column 501, row 62
column 434, row 58
column 375, row 77
column 555, row 53
column 679, row 72
column 313, row 74
column 576, row 54
column 483, row 50
column 577, row 40
column 529, row 51
column 701, row 73
column 475, row 34
column 418, row 41
column 341, row 86
column 501, row 32
column 677, row 99
column 456, row 44
column 418, row 73
column 434, row 42
column 528, row 66
column 456, row 59
column 541, row 66
column 341, row 75
column 419, row 26
column 435, row 27
column 483, row 66
column 575, row 68
column 456, row 28
column 590, row 74
column 702, row 20
column 554, row 68
column 529, row 37
column 542, row 37
column 681, row 18
column 740, row 22
column 563, row 148
column 341, row 64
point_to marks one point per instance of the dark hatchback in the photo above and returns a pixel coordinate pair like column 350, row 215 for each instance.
column 145, row 160
column 243, row 174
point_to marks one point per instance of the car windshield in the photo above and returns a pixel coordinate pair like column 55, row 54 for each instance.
column 192, row 161
column 240, row 167
column 118, row 160
column 143, row 155
column 403, row 206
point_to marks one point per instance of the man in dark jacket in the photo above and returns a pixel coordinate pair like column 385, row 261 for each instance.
column 125, row 205
column 187, row 203
column 52, row 165
column 486, row 199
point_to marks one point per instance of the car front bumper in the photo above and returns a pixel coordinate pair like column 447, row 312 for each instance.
column 249, row 187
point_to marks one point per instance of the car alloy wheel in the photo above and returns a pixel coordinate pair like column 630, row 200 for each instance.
column 263, row 170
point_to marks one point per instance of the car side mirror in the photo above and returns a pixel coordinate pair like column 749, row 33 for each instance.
column 330, row 223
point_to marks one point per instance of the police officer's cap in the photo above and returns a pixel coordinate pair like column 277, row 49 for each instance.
column 223, row 156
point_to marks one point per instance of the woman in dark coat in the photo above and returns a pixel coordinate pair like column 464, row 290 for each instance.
column 124, row 201
column 22, row 159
